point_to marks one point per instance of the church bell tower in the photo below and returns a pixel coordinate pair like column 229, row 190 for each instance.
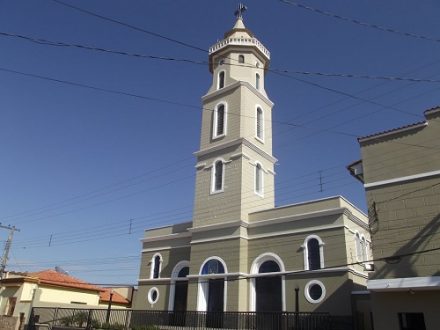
column 235, row 166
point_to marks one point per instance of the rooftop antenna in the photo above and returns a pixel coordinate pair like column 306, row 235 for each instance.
column 239, row 12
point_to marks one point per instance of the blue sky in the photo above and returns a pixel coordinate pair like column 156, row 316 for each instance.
column 88, row 170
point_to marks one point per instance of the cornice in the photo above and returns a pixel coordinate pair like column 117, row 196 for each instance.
column 236, row 142
column 218, row 92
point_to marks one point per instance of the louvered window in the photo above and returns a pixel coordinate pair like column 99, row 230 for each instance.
column 221, row 80
column 260, row 132
column 220, row 129
column 257, row 81
column 218, row 176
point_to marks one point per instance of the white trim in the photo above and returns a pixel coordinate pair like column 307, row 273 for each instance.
column 402, row 179
column 405, row 283
column 306, row 251
column 307, row 293
column 150, row 295
column 153, row 265
column 261, row 139
column 213, row 174
column 203, row 286
column 174, row 278
column 215, row 120
column 256, row 264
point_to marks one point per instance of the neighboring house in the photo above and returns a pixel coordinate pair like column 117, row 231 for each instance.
column 114, row 297
column 240, row 252
column 400, row 169
column 20, row 292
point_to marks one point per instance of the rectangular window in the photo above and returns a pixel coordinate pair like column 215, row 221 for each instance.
column 412, row 321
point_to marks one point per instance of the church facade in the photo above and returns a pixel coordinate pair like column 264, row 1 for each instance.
column 240, row 252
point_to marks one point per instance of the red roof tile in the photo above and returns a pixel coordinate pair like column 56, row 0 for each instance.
column 104, row 296
column 53, row 277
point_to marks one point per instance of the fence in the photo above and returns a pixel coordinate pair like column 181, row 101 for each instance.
column 66, row 318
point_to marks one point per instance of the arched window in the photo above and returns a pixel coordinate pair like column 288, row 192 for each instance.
column 240, row 58
column 363, row 247
column 259, row 179
column 313, row 252
column 218, row 176
column 219, row 124
column 259, row 124
column 257, row 81
column 357, row 241
column 221, row 79
column 156, row 264
column 213, row 266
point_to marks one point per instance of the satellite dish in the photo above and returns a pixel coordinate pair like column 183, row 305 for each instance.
column 58, row 269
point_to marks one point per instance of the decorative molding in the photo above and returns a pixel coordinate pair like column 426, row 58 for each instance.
column 218, row 226
column 402, row 179
column 162, row 248
column 208, row 97
column 258, row 150
column 288, row 218
column 200, row 166
column 218, row 238
column 166, row 237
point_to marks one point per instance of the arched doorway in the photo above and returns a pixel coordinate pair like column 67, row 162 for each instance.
column 212, row 291
column 181, row 291
column 178, row 293
column 268, row 289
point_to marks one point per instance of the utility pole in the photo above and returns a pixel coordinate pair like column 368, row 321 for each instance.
column 8, row 244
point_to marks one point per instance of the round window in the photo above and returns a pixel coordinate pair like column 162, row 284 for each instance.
column 153, row 295
column 314, row 291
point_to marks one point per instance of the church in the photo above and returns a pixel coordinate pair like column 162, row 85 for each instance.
column 240, row 252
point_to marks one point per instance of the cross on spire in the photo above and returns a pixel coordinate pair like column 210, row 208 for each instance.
column 239, row 12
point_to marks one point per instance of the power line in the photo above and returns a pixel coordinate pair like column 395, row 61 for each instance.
column 358, row 22
column 130, row 26
column 46, row 42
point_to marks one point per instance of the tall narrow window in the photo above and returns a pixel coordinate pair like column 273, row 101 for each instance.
column 155, row 266
column 314, row 258
column 313, row 252
column 259, row 124
column 221, row 80
column 217, row 184
column 363, row 249
column 240, row 58
column 359, row 247
column 257, row 81
column 259, row 179
column 219, row 121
